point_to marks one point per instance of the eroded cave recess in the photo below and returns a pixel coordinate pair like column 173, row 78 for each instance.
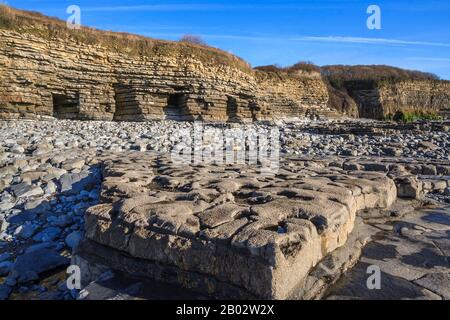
column 176, row 108
column 232, row 109
column 175, row 102
column 66, row 106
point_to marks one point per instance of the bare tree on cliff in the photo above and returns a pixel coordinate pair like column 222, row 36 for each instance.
column 189, row 38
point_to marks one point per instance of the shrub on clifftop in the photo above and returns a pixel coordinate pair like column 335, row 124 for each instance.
column 189, row 38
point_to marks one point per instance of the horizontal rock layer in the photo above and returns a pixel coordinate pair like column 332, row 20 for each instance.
column 427, row 96
column 65, row 79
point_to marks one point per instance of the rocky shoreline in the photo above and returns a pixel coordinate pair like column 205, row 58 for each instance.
column 51, row 172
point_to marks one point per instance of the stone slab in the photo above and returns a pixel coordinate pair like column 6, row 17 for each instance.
column 261, row 234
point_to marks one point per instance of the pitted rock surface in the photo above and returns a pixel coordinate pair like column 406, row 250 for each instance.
column 210, row 219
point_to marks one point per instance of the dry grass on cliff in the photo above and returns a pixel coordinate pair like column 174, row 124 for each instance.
column 300, row 70
column 341, row 80
column 47, row 27
column 340, row 75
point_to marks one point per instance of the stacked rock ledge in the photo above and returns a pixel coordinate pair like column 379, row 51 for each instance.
column 219, row 235
column 65, row 79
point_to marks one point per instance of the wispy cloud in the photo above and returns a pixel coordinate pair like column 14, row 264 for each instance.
column 374, row 41
column 305, row 5
column 430, row 59
column 156, row 7
column 326, row 39
column 210, row 7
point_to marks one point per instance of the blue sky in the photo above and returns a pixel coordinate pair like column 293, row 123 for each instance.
column 415, row 34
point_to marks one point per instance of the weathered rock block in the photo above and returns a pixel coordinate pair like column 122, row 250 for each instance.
column 215, row 230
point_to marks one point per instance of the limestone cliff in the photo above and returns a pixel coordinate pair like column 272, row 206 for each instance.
column 379, row 91
column 50, row 71
column 55, row 74
column 280, row 93
column 429, row 96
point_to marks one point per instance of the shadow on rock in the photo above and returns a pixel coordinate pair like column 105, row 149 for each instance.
column 354, row 287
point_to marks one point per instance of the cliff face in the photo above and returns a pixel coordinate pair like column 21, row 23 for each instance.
column 280, row 94
column 378, row 91
column 47, row 70
column 425, row 96
column 428, row 96
column 59, row 78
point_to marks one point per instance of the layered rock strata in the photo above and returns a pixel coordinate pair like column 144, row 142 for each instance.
column 65, row 79
column 385, row 99
column 50, row 71
column 227, row 232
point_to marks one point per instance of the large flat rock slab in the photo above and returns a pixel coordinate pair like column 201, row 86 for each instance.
column 228, row 226
column 103, row 283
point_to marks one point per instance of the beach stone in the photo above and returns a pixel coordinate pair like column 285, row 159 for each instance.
column 37, row 262
column 51, row 188
column 5, row 291
column 62, row 221
column 409, row 187
column 76, row 182
column 47, row 235
column 427, row 145
column 4, row 224
column 73, row 164
column 54, row 173
column 33, row 204
column 32, row 176
column 26, row 231
column 73, row 239
column 17, row 149
column 7, row 205
column 23, row 190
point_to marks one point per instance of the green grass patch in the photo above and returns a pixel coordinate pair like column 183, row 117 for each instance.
column 413, row 116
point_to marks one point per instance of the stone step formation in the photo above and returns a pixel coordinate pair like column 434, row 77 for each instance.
column 229, row 232
column 64, row 79
column 232, row 233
